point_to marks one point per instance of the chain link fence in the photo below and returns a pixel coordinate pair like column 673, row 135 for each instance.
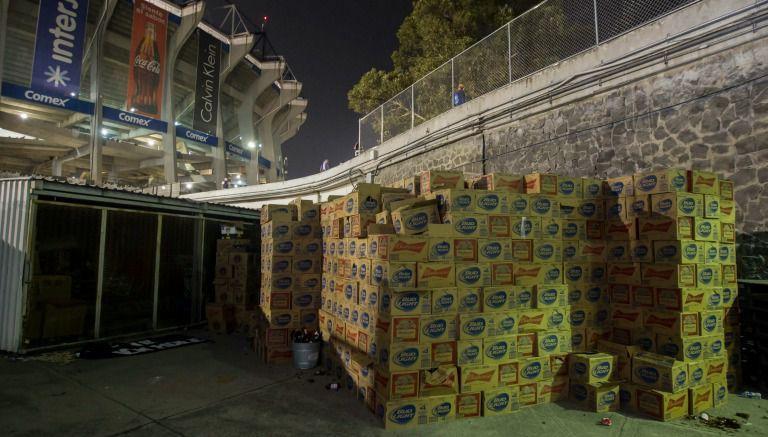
column 552, row 31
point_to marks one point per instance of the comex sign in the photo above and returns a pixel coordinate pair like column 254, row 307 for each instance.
column 196, row 136
column 23, row 93
column 134, row 119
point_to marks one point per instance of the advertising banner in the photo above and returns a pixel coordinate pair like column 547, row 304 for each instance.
column 234, row 149
column 147, row 61
column 207, row 87
column 197, row 136
column 54, row 100
column 59, row 47
column 134, row 119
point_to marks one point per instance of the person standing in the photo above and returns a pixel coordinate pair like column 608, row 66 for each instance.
column 459, row 96
column 325, row 166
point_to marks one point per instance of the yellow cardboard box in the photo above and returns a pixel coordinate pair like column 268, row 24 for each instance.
column 502, row 324
column 727, row 212
column 547, row 251
column 591, row 367
column 438, row 409
column 470, row 352
column 405, row 303
column 500, row 401
column 619, row 187
column 526, row 344
column 624, row 273
column 399, row 248
column 700, row 399
column 709, row 275
column 620, row 229
column 465, row 249
column 499, row 350
column 696, row 374
column 663, row 181
column 569, row 187
column 551, row 229
column 501, row 181
column 468, row 224
column 469, row 300
column 397, row 385
column 662, row 405
column 685, row 349
column 509, row 374
column 532, row 274
column 491, row 202
column 432, row 180
column 720, row 393
column 440, row 249
column 454, row 200
column 680, row 299
column 591, row 188
column 712, row 322
column 727, row 232
column 665, row 228
column 550, row 296
column 524, row 227
column 438, row 328
column 473, row 326
column 414, row 220
column 534, row 369
column 444, row 301
column 397, row 357
column 669, row 275
column 704, row 182
column 498, row 226
column 541, row 183
column 679, row 252
column 616, row 208
column 440, row 381
column 473, row 275
column 711, row 206
column 494, row 249
column 498, row 299
column 659, row 372
column 544, row 206
column 707, row 229
column 678, row 204
column 598, row 397
column 673, row 323
column 478, row 378
column 553, row 343
column 468, row 405
column 638, row 206
column 435, row 275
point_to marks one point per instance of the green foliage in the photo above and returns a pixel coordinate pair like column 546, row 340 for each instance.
column 435, row 31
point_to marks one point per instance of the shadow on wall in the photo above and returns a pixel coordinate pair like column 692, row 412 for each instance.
column 752, row 252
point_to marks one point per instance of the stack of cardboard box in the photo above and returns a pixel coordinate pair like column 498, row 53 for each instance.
column 672, row 277
column 291, row 259
column 235, row 286
column 467, row 300
column 454, row 305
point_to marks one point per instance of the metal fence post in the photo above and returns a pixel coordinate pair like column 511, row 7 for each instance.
column 509, row 49
column 597, row 32
column 359, row 139
column 382, row 125
column 412, row 107
column 453, row 83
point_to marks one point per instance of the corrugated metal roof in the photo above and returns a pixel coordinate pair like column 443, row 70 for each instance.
column 47, row 185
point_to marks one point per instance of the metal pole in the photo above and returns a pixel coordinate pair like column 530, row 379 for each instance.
column 155, row 292
column 100, row 278
column 453, row 84
column 381, row 141
column 597, row 31
column 359, row 133
column 413, row 105
column 509, row 50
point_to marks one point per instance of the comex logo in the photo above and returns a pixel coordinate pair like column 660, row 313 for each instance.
column 43, row 98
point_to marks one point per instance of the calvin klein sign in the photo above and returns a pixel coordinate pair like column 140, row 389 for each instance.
column 207, row 87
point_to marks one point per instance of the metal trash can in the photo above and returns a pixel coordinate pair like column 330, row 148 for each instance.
column 306, row 355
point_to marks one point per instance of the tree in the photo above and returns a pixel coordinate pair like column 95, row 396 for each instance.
column 435, row 31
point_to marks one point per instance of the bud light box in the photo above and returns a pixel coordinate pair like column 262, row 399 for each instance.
column 638, row 206
column 553, row 343
column 444, row 301
column 438, row 328
column 700, row 399
column 665, row 181
column 550, row 296
column 454, row 200
column 399, row 414
column 679, row 252
column 708, row 230
column 499, row 350
column 500, row 401
column 659, row 372
column 397, row 357
column 414, row 220
column 468, row 224
column 623, row 186
column 470, row 300
column 469, row 352
column 440, row 249
column 591, row 368
column 591, row 188
column 404, row 303
column 491, row 202
column 534, row 369
column 438, row 409
column 544, row 206
column 597, row 397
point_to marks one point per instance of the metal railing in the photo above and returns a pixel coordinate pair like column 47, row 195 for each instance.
column 550, row 32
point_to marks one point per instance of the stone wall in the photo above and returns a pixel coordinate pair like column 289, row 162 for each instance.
column 711, row 114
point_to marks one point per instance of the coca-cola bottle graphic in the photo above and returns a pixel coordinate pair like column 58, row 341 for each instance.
column 146, row 72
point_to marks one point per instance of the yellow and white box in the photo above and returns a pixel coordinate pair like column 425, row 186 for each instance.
column 494, row 249
column 547, row 251
column 473, row 275
column 591, row 367
column 491, row 202
column 468, row 224
column 706, row 229
column 662, row 405
column 553, row 343
column 659, row 372
column 500, row 401
column 678, row 204
column 499, row 299
column 470, row 300
column 478, row 378
column 544, row 206
column 679, row 252
column 704, row 182
column 551, row 296
column 438, row 328
column 438, row 409
column 435, row 275
column 524, row 227
column 469, row 352
column 663, row 181
column 534, row 369
column 619, row 187
column 444, row 301
column 499, row 350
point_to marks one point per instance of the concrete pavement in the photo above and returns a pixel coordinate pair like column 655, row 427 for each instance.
column 218, row 389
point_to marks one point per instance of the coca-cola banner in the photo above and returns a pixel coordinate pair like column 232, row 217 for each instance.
column 147, row 63
column 207, row 88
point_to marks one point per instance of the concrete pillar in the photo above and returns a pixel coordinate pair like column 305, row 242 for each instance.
column 96, row 142
column 239, row 47
column 268, row 147
column 3, row 25
column 56, row 167
column 270, row 72
column 190, row 18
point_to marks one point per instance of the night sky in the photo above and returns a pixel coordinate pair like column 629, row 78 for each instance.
column 329, row 45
